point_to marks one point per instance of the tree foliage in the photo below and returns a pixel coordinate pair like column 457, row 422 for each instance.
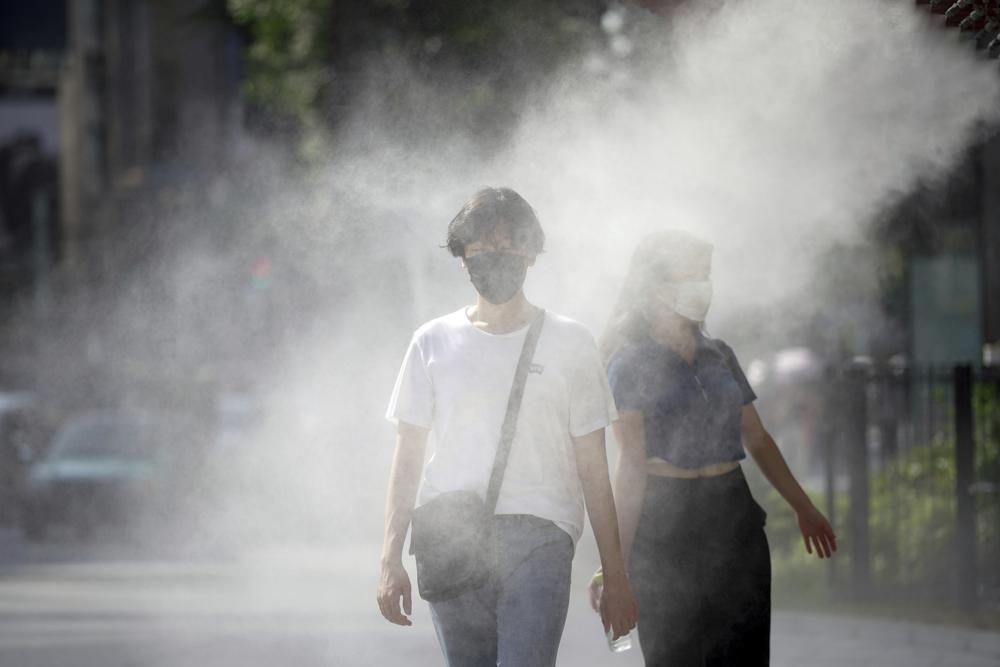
column 286, row 59
column 306, row 60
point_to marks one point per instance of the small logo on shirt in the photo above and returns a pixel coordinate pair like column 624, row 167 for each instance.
column 536, row 368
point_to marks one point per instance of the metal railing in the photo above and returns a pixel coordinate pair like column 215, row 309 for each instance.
column 911, row 461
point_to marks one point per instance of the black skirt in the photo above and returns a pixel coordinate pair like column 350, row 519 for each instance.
column 701, row 571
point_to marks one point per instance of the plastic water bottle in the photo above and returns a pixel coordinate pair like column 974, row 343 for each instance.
column 624, row 642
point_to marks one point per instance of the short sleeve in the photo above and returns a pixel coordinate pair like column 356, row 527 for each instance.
column 734, row 368
column 626, row 385
column 591, row 405
column 412, row 399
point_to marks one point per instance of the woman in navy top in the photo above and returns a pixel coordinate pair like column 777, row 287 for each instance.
column 692, row 534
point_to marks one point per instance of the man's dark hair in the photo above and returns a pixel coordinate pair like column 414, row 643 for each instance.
column 489, row 211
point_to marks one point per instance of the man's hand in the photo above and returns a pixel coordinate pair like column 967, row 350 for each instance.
column 393, row 584
column 816, row 532
column 619, row 610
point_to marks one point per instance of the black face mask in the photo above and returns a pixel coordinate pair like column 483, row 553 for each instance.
column 497, row 275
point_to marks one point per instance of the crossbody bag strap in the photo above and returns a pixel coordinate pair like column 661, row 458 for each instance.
column 513, row 408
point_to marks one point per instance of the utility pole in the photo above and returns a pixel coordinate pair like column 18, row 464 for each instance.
column 83, row 158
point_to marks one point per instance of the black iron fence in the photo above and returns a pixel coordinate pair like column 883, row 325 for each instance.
column 910, row 461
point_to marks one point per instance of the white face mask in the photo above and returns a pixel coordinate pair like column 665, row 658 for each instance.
column 689, row 299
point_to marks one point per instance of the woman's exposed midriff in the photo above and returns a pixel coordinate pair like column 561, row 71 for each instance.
column 661, row 468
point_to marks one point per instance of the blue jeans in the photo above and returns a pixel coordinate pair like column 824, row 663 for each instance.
column 517, row 618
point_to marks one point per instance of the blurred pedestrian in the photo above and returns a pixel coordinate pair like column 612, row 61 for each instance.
column 459, row 381
column 692, row 534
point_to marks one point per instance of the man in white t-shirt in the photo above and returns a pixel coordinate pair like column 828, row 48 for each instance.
column 454, row 383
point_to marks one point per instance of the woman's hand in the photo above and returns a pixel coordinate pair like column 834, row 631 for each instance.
column 594, row 590
column 816, row 532
column 619, row 610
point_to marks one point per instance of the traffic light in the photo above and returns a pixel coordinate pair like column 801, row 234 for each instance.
column 261, row 273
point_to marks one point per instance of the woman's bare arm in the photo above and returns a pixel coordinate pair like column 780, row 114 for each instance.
column 816, row 530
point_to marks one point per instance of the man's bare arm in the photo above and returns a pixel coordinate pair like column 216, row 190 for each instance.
column 630, row 476
column 404, row 480
column 619, row 610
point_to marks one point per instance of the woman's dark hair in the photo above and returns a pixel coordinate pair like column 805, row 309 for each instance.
column 488, row 211
column 658, row 256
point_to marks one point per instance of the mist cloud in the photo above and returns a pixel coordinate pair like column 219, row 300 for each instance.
column 773, row 129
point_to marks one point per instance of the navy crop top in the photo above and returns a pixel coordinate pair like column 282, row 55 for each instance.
column 691, row 411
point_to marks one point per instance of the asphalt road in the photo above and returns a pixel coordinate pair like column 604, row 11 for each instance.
column 115, row 605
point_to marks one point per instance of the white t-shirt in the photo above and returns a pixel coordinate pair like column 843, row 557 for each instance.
column 456, row 380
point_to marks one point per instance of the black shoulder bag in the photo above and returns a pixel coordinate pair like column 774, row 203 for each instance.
column 450, row 534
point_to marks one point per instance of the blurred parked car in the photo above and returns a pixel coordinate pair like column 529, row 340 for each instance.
column 105, row 468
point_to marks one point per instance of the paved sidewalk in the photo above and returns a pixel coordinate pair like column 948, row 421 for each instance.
column 833, row 641
column 317, row 608
column 805, row 639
